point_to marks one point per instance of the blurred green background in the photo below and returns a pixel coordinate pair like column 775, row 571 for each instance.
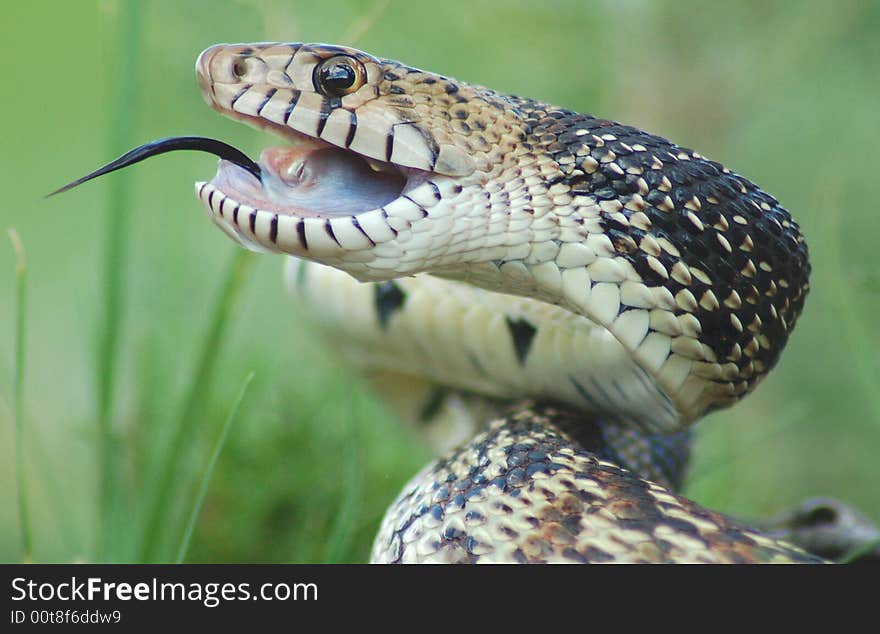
column 786, row 93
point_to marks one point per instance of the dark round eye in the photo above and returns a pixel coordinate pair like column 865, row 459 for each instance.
column 339, row 75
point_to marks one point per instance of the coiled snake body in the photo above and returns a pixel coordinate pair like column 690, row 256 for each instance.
column 624, row 285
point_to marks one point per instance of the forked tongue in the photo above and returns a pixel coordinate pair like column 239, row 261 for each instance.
column 171, row 144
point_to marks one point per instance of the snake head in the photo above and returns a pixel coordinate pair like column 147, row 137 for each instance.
column 374, row 148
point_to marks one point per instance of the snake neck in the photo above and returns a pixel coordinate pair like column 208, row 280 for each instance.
column 695, row 270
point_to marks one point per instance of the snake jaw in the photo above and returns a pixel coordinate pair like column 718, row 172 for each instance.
column 317, row 201
column 332, row 207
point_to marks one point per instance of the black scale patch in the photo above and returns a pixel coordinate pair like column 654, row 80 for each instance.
column 389, row 298
column 522, row 333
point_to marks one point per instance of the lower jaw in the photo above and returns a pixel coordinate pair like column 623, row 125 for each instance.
column 329, row 239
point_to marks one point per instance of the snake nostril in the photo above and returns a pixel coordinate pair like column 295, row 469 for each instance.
column 239, row 68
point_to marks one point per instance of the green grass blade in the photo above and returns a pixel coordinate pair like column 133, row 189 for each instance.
column 125, row 100
column 18, row 393
column 68, row 525
column 343, row 526
column 209, row 471
column 191, row 413
column 855, row 330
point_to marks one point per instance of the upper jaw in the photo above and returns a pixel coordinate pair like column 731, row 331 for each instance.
column 275, row 83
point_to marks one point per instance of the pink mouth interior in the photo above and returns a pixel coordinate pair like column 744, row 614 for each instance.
column 307, row 180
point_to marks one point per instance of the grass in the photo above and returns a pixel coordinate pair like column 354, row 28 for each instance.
column 140, row 324
column 123, row 30
column 27, row 548
column 193, row 409
column 209, row 471
column 341, row 531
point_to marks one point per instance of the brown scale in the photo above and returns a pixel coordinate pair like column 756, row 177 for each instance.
column 563, row 495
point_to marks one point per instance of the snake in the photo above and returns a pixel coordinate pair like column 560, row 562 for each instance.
column 562, row 295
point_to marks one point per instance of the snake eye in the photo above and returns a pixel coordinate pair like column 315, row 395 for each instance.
column 339, row 75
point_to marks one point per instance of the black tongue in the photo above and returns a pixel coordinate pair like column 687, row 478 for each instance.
column 171, row 144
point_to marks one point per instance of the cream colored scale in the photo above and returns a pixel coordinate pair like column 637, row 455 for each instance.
column 460, row 336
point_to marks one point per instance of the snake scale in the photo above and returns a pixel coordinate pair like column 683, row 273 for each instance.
column 593, row 288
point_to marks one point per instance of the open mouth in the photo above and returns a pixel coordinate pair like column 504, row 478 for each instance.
column 308, row 179
column 308, row 196
column 311, row 180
